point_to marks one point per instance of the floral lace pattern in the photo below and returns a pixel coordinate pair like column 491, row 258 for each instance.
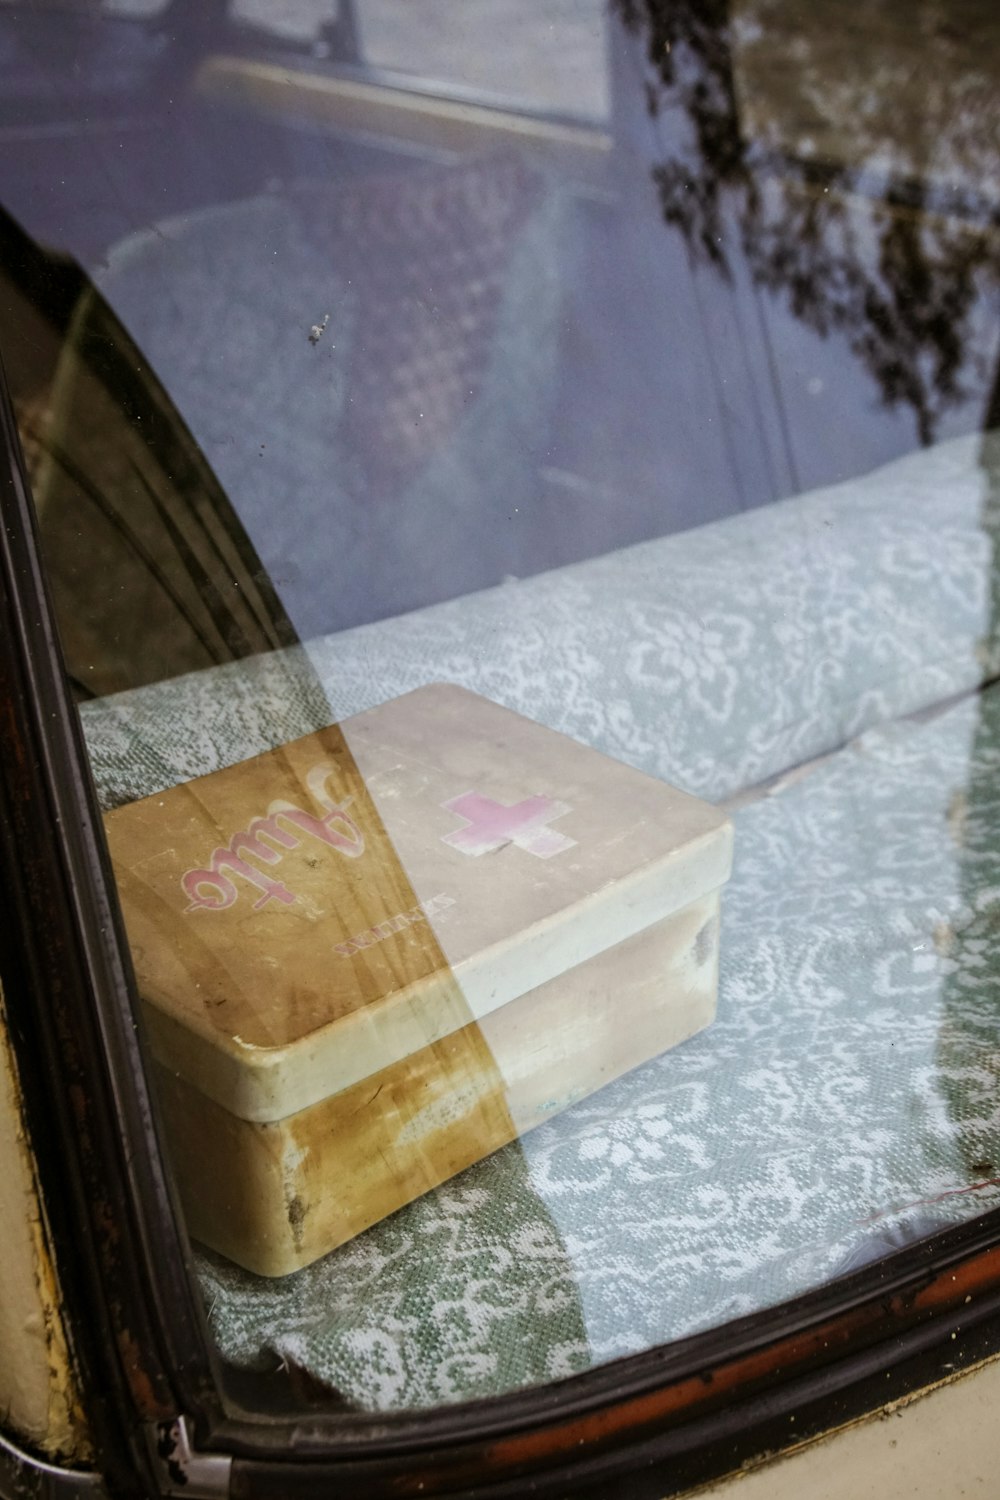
column 713, row 659
column 845, row 1100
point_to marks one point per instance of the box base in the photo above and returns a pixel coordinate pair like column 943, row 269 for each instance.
column 276, row 1196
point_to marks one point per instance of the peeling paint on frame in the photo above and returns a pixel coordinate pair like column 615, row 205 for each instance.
column 39, row 1399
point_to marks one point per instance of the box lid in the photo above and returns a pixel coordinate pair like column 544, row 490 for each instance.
column 303, row 919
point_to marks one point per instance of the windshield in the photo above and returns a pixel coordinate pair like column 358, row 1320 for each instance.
column 519, row 486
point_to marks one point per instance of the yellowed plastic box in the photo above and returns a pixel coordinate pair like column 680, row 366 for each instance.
column 377, row 953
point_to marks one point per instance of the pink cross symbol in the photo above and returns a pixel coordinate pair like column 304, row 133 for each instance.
column 489, row 825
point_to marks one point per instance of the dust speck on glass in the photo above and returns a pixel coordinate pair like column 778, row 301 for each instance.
column 520, row 484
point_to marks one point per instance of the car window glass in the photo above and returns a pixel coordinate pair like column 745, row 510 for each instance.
column 520, row 493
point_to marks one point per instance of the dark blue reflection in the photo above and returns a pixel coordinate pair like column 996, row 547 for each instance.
column 774, row 265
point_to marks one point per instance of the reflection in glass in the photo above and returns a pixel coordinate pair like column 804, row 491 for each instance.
column 857, row 192
column 337, row 347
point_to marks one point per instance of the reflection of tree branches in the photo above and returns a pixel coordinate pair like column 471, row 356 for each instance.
column 688, row 53
column 898, row 278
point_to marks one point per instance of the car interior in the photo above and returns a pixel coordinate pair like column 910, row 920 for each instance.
column 636, row 368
